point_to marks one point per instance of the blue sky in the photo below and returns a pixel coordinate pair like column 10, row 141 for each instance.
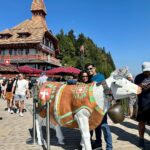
column 121, row 26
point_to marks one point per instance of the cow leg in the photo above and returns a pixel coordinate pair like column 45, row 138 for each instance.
column 59, row 135
column 54, row 125
column 82, row 118
column 39, row 131
column 82, row 144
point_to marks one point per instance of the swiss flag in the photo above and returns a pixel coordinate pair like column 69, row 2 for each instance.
column 7, row 61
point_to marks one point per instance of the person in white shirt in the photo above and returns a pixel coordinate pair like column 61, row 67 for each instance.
column 21, row 92
column 1, row 80
column 132, row 100
column 43, row 78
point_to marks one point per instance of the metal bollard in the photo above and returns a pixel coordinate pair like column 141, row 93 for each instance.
column 47, row 126
column 34, row 118
column 35, row 99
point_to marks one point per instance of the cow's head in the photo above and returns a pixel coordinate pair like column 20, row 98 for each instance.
column 121, row 87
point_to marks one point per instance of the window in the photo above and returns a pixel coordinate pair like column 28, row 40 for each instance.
column 27, row 51
column 24, row 35
column 15, row 52
column 47, row 42
column 10, row 52
column 3, row 52
column 5, row 36
column 43, row 40
column 21, row 51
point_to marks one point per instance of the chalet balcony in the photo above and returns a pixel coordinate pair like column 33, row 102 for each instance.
column 29, row 58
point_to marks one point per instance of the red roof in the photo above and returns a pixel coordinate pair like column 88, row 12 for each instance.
column 8, row 68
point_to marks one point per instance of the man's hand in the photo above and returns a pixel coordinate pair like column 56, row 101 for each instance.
column 145, row 86
column 139, row 91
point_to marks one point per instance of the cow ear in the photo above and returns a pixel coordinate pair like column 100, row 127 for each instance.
column 118, row 82
column 98, row 83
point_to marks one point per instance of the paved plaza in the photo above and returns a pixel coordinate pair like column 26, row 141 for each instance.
column 16, row 130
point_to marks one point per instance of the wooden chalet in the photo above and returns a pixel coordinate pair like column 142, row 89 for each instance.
column 30, row 42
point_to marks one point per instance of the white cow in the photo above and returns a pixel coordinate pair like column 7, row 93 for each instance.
column 83, row 106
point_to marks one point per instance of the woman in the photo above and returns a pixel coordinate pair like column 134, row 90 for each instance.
column 3, row 86
column 9, row 95
column 84, row 77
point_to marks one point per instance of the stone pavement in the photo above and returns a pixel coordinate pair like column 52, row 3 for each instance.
column 15, row 130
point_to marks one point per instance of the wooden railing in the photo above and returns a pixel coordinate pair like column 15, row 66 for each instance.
column 29, row 57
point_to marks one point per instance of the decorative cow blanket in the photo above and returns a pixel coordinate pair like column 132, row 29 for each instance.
column 66, row 100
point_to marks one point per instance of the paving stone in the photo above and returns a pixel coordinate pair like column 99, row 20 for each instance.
column 15, row 130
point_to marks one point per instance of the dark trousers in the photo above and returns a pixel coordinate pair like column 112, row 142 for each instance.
column 107, row 134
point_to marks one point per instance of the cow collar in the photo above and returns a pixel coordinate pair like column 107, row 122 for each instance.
column 93, row 101
column 107, row 90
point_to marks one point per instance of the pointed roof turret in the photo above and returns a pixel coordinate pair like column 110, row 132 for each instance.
column 38, row 10
column 38, row 7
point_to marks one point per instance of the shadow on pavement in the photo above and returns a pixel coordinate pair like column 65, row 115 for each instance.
column 133, row 126
column 126, row 136
column 72, row 138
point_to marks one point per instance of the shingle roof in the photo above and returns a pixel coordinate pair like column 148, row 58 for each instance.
column 38, row 5
column 35, row 28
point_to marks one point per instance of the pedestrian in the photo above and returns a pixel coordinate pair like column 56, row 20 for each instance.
column 71, row 80
column 30, row 82
column 97, row 144
column 3, row 86
column 143, row 80
column 131, row 101
column 1, row 80
column 42, row 79
column 21, row 93
column 9, row 95
column 84, row 77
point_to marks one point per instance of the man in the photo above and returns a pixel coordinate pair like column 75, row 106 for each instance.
column 42, row 79
column 98, row 77
column 1, row 80
column 21, row 92
column 143, row 80
column 132, row 100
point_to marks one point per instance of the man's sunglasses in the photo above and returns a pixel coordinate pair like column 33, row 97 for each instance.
column 84, row 76
column 90, row 68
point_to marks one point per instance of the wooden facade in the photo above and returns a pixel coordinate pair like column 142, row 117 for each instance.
column 31, row 42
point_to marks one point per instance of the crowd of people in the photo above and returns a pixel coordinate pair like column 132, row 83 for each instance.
column 16, row 90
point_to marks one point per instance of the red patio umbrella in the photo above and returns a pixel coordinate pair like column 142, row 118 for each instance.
column 72, row 70
column 29, row 70
column 67, row 70
column 55, row 70
column 37, row 71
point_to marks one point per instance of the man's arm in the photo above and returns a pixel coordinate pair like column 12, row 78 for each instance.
column 27, row 90
column 14, row 86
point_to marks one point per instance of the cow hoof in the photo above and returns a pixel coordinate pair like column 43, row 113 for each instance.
column 39, row 143
column 61, row 142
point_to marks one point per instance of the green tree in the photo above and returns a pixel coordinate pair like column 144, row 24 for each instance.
column 72, row 54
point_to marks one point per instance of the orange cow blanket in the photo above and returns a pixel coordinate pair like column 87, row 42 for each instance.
column 66, row 100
